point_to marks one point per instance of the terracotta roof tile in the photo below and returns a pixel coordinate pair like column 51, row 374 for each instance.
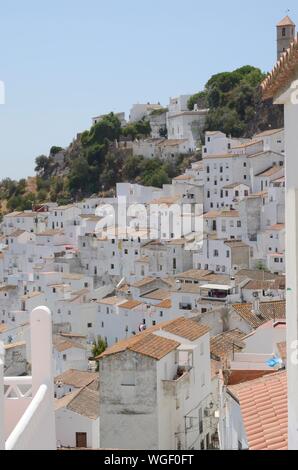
column 268, row 311
column 227, row 342
column 282, row 74
column 187, row 329
column 131, row 304
column 165, row 304
column 76, row 378
column 264, row 409
column 146, row 343
column 154, row 346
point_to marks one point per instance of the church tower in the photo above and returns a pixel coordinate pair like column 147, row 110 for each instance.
column 286, row 31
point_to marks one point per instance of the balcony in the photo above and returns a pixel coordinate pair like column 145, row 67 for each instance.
column 26, row 403
column 180, row 380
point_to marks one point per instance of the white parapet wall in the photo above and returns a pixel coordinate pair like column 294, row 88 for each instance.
column 29, row 401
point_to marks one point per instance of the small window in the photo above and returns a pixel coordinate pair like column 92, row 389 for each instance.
column 89, row 325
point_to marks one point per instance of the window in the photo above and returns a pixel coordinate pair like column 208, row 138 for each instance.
column 215, row 253
column 208, row 169
column 126, row 251
column 228, row 254
column 238, row 223
column 112, row 266
column 283, row 32
column 128, row 378
column 161, row 313
column 89, row 325
column 245, row 164
column 64, row 357
column 153, row 323
column 86, row 285
column 102, row 324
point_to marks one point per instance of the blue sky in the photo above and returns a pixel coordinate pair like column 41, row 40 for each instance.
column 65, row 61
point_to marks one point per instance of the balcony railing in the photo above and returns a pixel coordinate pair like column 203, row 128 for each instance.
column 28, row 429
column 27, row 420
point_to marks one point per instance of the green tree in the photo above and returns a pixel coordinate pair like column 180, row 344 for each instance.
column 99, row 346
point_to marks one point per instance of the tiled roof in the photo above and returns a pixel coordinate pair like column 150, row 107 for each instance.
column 224, row 213
column 131, row 304
column 172, row 142
column 227, row 342
column 187, row 329
column 62, row 344
column 144, row 343
column 50, row 233
column 277, row 227
column 143, row 282
column 264, row 410
column 234, row 185
column 177, row 241
column 85, row 403
column 165, row 304
column 152, row 345
column 286, row 21
column 256, row 274
column 264, row 285
column 7, row 288
column 270, row 171
column 112, row 301
column 236, row 244
column 269, row 132
column 143, row 259
column 283, row 72
column 168, row 201
column 76, row 378
column 158, row 294
column 268, row 311
column 183, row 178
column 195, row 274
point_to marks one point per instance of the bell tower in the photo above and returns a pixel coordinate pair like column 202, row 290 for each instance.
column 286, row 31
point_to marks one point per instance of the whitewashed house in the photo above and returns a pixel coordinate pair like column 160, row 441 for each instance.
column 155, row 388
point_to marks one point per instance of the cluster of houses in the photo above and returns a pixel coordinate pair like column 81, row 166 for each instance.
column 194, row 325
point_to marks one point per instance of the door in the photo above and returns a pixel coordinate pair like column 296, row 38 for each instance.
column 81, row 439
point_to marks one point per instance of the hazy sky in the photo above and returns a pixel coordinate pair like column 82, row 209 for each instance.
column 65, row 61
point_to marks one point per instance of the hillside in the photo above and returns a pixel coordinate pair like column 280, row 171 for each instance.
column 235, row 104
column 93, row 163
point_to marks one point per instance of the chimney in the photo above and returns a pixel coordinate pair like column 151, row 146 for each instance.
column 256, row 307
